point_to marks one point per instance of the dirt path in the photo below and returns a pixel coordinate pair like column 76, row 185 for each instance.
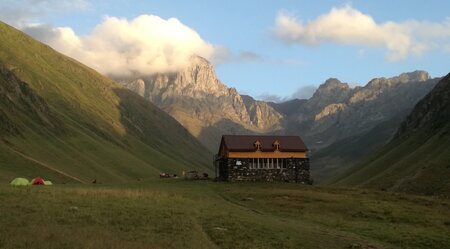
column 47, row 166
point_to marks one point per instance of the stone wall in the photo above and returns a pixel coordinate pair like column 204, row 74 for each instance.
column 296, row 170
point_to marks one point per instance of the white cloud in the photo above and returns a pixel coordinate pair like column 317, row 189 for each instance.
column 119, row 47
column 288, row 62
column 249, row 56
column 349, row 26
column 304, row 92
column 223, row 55
column 271, row 98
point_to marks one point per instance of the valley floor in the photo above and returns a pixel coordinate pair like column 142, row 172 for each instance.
column 186, row 214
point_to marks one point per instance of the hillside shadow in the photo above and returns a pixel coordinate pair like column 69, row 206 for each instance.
column 212, row 135
column 158, row 130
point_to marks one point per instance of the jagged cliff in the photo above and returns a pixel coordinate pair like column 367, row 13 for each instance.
column 204, row 105
column 337, row 111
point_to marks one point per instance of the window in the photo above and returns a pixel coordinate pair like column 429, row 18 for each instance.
column 276, row 145
column 258, row 145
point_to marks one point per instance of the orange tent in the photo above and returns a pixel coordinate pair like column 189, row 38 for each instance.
column 37, row 181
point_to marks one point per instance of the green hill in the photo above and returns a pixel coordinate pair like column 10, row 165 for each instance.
column 64, row 121
column 417, row 160
column 343, row 154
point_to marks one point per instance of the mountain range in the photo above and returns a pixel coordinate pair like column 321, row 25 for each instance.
column 335, row 113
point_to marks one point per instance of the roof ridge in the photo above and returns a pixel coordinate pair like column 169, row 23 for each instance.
column 247, row 142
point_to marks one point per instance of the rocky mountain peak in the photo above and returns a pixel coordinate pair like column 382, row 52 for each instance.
column 204, row 105
column 331, row 88
column 199, row 61
column 333, row 83
column 199, row 70
column 416, row 76
column 198, row 76
column 331, row 91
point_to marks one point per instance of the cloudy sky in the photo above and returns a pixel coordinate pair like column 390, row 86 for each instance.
column 268, row 49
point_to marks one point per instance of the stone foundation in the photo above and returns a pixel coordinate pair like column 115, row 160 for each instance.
column 294, row 170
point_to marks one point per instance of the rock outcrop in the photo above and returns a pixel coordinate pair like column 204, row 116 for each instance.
column 204, row 105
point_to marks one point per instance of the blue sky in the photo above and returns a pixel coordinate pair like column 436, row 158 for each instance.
column 256, row 52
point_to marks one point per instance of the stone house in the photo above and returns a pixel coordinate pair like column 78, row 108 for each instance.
column 262, row 158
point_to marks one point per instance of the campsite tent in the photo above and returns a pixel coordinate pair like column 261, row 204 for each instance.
column 20, row 182
column 48, row 183
column 37, row 181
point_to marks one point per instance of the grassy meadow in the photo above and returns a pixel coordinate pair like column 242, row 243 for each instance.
column 171, row 213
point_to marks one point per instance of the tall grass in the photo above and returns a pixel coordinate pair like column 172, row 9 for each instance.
column 183, row 214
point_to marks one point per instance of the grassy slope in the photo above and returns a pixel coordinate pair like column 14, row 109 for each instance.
column 343, row 154
column 187, row 214
column 74, row 120
column 419, row 164
column 418, row 160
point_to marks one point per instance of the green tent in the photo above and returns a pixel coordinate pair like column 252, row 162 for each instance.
column 48, row 183
column 20, row 182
